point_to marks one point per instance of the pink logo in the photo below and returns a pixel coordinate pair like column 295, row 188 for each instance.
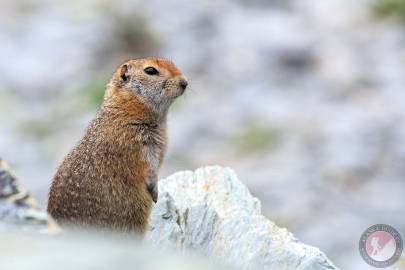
column 380, row 245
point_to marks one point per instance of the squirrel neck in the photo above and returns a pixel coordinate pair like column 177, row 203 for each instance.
column 132, row 110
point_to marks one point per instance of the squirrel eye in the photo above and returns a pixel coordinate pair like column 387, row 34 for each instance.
column 151, row 71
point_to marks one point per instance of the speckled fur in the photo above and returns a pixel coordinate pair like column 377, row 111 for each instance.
column 102, row 181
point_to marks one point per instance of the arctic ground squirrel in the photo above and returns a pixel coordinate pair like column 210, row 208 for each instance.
column 109, row 179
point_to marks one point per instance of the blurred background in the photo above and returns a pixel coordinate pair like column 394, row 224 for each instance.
column 305, row 100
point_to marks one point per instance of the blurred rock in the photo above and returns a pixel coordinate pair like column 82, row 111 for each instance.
column 88, row 251
column 212, row 212
column 18, row 209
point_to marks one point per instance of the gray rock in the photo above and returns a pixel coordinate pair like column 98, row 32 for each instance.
column 210, row 211
column 18, row 209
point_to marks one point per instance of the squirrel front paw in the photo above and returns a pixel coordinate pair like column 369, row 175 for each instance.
column 152, row 187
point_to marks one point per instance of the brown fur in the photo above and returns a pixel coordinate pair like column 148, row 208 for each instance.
column 103, row 181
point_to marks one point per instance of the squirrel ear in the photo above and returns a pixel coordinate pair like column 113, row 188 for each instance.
column 124, row 72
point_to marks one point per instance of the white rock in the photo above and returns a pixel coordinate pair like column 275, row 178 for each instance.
column 212, row 212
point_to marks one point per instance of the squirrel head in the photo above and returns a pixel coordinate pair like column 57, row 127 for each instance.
column 154, row 82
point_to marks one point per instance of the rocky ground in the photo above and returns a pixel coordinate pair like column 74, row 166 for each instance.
column 304, row 99
column 208, row 213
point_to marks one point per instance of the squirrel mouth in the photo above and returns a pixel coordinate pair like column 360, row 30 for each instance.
column 179, row 93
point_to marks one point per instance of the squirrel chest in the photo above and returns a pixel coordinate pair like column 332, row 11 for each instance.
column 153, row 145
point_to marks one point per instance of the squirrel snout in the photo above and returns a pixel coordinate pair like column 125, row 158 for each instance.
column 183, row 84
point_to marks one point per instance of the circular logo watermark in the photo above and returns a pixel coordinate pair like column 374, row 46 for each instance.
column 381, row 245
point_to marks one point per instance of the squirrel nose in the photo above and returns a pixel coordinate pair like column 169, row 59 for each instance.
column 183, row 84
